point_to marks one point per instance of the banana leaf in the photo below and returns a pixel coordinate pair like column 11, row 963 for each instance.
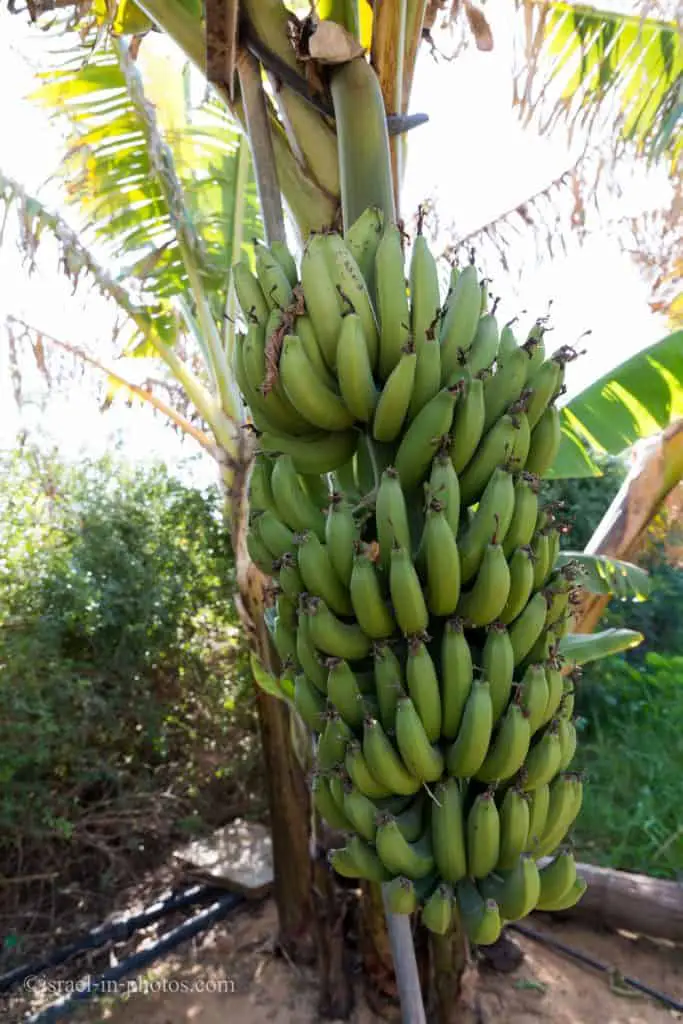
column 633, row 401
column 581, row 648
column 282, row 688
column 603, row 575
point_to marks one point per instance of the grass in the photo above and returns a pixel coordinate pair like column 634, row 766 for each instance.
column 631, row 749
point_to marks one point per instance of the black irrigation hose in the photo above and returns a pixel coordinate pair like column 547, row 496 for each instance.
column 103, row 985
column 583, row 958
column 116, row 931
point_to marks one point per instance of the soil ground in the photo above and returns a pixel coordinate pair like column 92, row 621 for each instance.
column 261, row 988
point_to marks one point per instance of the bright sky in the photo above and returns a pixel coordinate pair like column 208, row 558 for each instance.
column 473, row 156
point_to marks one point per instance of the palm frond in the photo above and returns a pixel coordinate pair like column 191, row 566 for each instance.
column 594, row 69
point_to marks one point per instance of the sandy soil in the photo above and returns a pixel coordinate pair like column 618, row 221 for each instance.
column 230, row 974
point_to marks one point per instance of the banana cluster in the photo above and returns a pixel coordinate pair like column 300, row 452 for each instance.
column 395, row 503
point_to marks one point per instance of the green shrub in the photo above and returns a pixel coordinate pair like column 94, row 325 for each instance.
column 120, row 656
column 632, row 752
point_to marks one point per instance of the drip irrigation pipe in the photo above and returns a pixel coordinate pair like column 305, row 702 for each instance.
column 114, row 931
column 597, row 965
column 90, row 988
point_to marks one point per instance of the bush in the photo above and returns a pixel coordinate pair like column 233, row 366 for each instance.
column 120, row 656
column 632, row 752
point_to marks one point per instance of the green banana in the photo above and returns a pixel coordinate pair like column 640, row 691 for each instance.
column 459, row 325
column 544, row 383
column 286, row 260
column 410, row 820
column 468, row 425
column 422, row 759
column 466, row 756
column 566, row 795
column 289, row 576
column 484, row 346
column 522, row 441
column 392, row 300
column 361, row 812
column 427, row 375
column 568, row 697
column 333, row 740
column 407, row 597
column 567, row 735
column 249, row 294
column 394, row 399
column 309, row 703
column 360, row 774
column 545, row 442
column 456, row 676
column 354, row 370
column 540, row 548
column 514, row 828
column 260, row 491
column 521, row 584
column 423, row 687
column 484, row 602
column 425, row 301
column 388, row 683
column 507, row 344
column 527, row 627
column 437, row 912
column 401, row 896
column 369, row 604
column 423, row 437
column 509, row 748
column 505, row 386
column 272, row 278
column 352, row 291
column 292, row 502
column 448, row 831
column 444, row 486
column 533, row 695
column 493, row 516
column 341, row 533
column 572, row 896
column 277, row 537
column 343, row 692
column 317, row 453
column 521, row 889
column 307, row 391
column 543, row 760
column 442, row 562
column 493, row 451
column 306, row 334
column 284, row 640
column 482, row 836
column 384, row 763
column 481, row 918
column 414, row 860
column 258, row 552
column 322, row 299
column 332, row 636
column 557, row 878
column 286, row 609
column 391, row 515
column 363, row 860
column 318, row 574
column 497, row 666
column 306, row 653
column 522, row 523
column 539, row 802
column 326, row 805
column 363, row 239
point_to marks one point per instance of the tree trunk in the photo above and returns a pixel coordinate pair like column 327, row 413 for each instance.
column 453, row 992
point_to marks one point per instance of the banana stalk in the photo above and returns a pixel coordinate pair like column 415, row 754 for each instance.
column 364, row 155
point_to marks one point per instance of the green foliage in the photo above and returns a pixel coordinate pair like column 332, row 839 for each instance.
column 632, row 752
column 635, row 400
column 120, row 657
column 587, row 500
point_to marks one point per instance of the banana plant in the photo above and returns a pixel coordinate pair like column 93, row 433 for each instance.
column 326, row 132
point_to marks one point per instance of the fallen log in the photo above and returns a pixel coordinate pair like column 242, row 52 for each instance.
column 634, row 903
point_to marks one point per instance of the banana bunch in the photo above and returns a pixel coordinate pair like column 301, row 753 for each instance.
column 417, row 604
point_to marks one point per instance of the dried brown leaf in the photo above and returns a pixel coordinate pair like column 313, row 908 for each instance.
column 331, row 43
column 479, row 26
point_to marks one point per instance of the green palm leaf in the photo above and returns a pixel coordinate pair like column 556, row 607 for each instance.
column 580, row 59
column 639, row 398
